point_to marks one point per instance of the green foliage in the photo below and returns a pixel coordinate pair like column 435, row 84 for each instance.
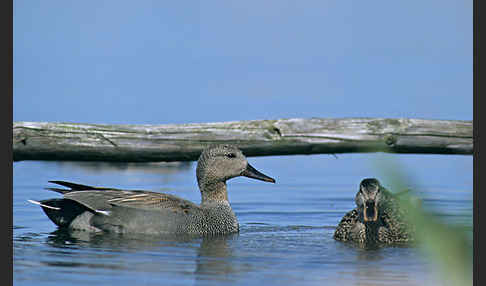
column 448, row 246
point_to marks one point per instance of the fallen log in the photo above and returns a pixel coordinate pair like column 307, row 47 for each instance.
column 184, row 142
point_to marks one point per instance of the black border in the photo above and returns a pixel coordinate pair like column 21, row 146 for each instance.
column 7, row 121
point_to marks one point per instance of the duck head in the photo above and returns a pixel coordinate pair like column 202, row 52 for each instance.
column 368, row 199
column 219, row 163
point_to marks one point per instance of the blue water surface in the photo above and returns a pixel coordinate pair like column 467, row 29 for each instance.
column 286, row 228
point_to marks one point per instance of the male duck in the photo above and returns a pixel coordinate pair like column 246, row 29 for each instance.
column 132, row 211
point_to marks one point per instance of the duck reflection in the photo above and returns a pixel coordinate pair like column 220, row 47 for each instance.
column 177, row 254
column 373, row 266
column 212, row 263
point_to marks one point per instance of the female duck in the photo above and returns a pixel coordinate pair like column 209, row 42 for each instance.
column 131, row 211
column 376, row 219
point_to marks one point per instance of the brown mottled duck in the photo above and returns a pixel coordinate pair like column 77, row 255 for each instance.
column 377, row 218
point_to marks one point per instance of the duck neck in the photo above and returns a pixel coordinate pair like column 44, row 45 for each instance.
column 371, row 231
column 214, row 193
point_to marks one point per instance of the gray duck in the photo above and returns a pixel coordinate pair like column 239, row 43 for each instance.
column 99, row 209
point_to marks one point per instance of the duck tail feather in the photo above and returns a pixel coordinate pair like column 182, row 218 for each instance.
column 73, row 186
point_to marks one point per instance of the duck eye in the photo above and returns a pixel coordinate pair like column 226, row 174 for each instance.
column 231, row 155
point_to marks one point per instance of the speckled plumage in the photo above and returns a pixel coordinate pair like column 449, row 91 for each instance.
column 132, row 211
column 390, row 226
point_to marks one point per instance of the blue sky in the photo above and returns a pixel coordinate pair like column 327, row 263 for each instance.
column 156, row 62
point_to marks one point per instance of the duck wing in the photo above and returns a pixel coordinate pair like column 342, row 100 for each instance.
column 143, row 211
column 95, row 208
column 73, row 187
column 104, row 200
column 343, row 230
column 152, row 201
column 101, row 198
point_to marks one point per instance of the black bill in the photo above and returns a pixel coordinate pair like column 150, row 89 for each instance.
column 251, row 172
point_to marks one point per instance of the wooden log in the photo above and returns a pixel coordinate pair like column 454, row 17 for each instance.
column 184, row 142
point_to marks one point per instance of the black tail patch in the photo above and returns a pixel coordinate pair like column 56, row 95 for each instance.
column 62, row 211
column 57, row 190
column 73, row 187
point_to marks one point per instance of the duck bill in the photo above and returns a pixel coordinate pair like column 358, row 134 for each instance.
column 370, row 212
column 251, row 172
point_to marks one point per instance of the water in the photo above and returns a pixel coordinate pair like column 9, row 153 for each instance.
column 285, row 228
